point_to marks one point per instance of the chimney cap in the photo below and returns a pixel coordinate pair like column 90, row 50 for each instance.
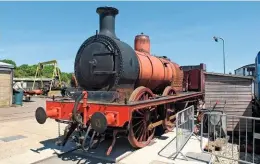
column 107, row 10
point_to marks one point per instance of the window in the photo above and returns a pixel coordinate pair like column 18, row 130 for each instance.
column 248, row 70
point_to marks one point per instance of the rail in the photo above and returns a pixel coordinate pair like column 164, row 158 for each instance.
column 233, row 143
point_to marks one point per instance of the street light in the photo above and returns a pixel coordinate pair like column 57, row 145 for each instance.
column 216, row 40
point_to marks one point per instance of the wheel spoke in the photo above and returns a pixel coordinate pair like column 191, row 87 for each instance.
column 146, row 97
column 152, row 109
column 139, row 136
column 138, row 123
column 147, row 132
column 170, row 111
column 139, row 112
column 140, row 127
column 138, row 117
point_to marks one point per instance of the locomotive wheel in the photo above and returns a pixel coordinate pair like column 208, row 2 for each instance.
column 170, row 111
column 139, row 135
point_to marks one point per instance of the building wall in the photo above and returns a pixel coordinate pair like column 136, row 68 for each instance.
column 28, row 82
column 237, row 91
column 6, row 94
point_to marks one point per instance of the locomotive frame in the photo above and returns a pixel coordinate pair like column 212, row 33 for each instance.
column 138, row 112
column 117, row 117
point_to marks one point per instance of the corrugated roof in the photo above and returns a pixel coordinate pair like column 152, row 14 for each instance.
column 6, row 65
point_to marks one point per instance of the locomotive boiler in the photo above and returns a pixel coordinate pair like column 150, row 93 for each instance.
column 106, row 63
column 126, row 91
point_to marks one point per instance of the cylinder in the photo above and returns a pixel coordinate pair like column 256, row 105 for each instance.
column 142, row 43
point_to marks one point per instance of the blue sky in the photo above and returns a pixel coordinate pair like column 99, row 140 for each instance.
column 31, row 32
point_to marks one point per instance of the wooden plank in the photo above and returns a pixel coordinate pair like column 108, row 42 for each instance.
column 231, row 87
column 227, row 80
column 242, row 125
column 218, row 85
column 216, row 96
column 228, row 83
column 225, row 89
column 228, row 77
column 208, row 100
column 231, row 120
column 228, row 93
column 244, row 99
column 240, row 107
column 228, row 99
column 234, row 110
column 212, row 78
column 238, row 113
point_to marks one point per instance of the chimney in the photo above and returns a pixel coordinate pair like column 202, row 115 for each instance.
column 107, row 21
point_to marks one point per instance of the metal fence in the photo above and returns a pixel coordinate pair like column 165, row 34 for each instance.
column 230, row 144
column 184, row 131
column 184, row 128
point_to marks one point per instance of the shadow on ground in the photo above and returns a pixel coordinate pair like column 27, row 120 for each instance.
column 69, row 154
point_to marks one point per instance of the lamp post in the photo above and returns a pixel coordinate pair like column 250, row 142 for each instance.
column 216, row 40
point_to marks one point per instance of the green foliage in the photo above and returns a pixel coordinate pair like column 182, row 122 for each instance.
column 9, row 62
column 26, row 70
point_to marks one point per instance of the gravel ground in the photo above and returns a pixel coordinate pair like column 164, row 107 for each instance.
column 227, row 152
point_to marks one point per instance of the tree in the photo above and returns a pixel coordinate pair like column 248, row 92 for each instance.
column 26, row 70
column 8, row 61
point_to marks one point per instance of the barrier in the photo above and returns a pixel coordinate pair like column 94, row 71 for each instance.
column 232, row 134
column 184, row 131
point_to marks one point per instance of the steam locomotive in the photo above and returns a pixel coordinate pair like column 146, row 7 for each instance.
column 125, row 91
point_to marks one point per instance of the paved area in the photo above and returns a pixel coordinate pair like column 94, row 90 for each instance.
column 21, row 137
column 24, row 141
column 36, row 143
column 72, row 159
column 160, row 151
column 22, row 112
column 163, row 150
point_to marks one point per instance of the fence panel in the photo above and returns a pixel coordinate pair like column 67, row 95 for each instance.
column 184, row 130
column 184, row 127
column 236, row 145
